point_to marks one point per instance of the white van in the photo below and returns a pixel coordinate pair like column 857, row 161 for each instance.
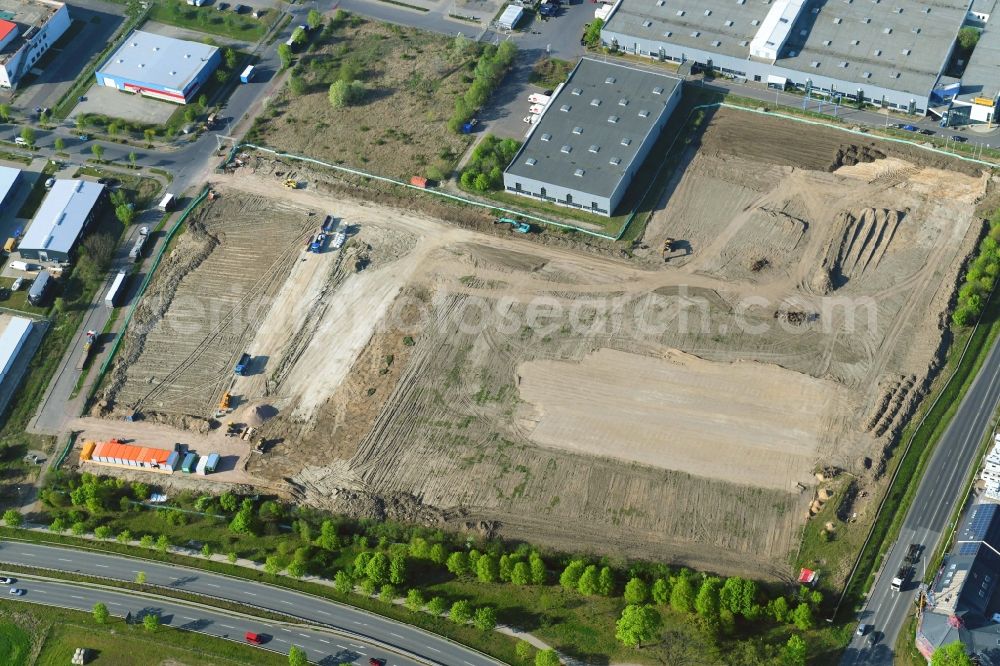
column 20, row 141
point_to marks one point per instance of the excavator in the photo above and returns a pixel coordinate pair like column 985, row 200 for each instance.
column 668, row 247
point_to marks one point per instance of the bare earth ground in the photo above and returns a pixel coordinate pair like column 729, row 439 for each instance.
column 673, row 410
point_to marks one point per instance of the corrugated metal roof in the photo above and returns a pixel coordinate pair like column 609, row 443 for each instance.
column 6, row 27
column 8, row 178
column 17, row 329
column 60, row 218
column 162, row 62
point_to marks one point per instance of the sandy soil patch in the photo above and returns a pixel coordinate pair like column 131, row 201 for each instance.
column 683, row 413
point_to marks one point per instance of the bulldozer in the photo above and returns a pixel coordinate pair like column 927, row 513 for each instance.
column 291, row 183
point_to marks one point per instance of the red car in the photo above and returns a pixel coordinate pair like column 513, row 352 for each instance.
column 254, row 638
column 376, row 662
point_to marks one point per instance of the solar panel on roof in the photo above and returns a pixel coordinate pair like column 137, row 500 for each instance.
column 968, row 548
column 980, row 522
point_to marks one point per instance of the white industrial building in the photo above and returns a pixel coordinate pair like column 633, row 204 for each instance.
column 66, row 211
column 27, row 29
column 593, row 136
column 8, row 184
column 161, row 67
column 890, row 54
column 12, row 339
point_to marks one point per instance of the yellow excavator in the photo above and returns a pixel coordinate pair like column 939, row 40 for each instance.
column 668, row 247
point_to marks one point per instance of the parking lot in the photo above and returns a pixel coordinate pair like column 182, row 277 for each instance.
column 127, row 106
column 94, row 24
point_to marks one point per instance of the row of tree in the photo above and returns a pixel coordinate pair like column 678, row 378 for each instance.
column 492, row 66
column 980, row 278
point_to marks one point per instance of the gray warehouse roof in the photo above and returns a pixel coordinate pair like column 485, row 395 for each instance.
column 900, row 45
column 593, row 127
column 164, row 61
column 8, row 178
column 982, row 75
column 62, row 215
column 11, row 338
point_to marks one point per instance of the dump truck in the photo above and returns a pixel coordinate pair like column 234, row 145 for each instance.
column 316, row 245
column 902, row 575
column 241, row 365
column 329, row 224
column 88, row 344
column 913, row 553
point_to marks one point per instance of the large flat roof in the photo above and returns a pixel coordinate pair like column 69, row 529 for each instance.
column 61, row 217
column 11, row 337
column 27, row 15
column 8, row 178
column 163, row 61
column 982, row 74
column 573, row 121
column 900, row 45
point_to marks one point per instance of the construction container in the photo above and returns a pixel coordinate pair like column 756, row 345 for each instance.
column 189, row 464
column 418, row 181
column 212, row 464
column 172, row 459
column 39, row 288
column 200, row 468
column 88, row 450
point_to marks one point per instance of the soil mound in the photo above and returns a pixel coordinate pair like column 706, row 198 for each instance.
column 255, row 415
column 851, row 155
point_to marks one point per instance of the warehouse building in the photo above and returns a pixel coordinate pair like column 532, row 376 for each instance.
column 976, row 98
column 12, row 339
column 8, row 184
column 593, row 136
column 963, row 602
column 886, row 53
column 117, row 454
column 28, row 28
column 160, row 67
column 66, row 211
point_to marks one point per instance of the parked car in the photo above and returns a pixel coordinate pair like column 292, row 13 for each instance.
column 49, row 183
column 863, row 629
column 17, row 592
column 8, row 581
column 222, row 6
column 958, row 138
column 372, row 661
column 84, row 137
column 908, row 128
column 18, row 283
column 927, row 132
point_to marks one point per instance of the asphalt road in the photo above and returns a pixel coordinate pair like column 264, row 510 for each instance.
column 313, row 609
column 320, row 646
column 927, row 520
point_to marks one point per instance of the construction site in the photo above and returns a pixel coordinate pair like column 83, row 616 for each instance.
column 688, row 401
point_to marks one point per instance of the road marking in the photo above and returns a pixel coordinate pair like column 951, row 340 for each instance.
column 280, row 640
column 361, row 652
column 396, row 635
column 303, row 635
column 341, row 646
column 185, row 617
column 252, row 594
column 103, row 566
column 211, row 584
column 113, row 603
column 469, row 663
column 63, row 559
column 360, row 624
column 283, row 629
column 31, row 554
column 435, row 649
column 322, row 611
column 76, row 597
column 226, row 626
column 285, row 601
column 323, row 640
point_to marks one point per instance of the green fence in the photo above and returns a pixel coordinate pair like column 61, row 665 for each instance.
column 142, row 290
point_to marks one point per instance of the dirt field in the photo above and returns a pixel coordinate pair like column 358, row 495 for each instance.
column 677, row 411
column 400, row 127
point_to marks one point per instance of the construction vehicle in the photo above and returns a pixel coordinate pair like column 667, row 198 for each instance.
column 913, row 553
column 515, row 226
column 668, row 247
column 88, row 344
column 329, row 224
column 291, row 183
column 226, row 399
column 316, row 246
column 241, row 365
column 232, row 430
column 248, row 433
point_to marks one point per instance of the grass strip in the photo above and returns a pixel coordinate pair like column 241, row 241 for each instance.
column 403, row 4
column 158, row 590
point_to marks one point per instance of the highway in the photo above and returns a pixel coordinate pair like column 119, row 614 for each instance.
column 320, row 646
column 315, row 610
column 926, row 521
